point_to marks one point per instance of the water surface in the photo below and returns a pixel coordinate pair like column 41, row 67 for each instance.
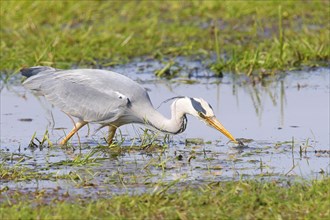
column 284, row 120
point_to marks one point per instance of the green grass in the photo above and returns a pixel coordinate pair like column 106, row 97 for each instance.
column 245, row 36
column 227, row 200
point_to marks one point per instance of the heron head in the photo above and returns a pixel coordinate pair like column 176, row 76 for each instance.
column 203, row 111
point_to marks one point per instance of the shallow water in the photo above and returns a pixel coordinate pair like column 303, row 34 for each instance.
column 283, row 120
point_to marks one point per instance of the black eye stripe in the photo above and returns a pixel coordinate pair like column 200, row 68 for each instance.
column 197, row 106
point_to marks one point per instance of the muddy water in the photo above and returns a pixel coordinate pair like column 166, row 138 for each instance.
column 284, row 120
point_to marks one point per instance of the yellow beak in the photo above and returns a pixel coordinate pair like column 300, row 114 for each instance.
column 213, row 121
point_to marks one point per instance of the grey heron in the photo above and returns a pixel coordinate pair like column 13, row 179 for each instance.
column 112, row 99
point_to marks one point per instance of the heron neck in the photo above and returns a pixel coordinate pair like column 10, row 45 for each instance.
column 176, row 124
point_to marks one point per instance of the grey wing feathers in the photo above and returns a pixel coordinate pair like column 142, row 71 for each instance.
column 81, row 95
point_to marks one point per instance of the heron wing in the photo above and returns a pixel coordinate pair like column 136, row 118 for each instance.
column 85, row 96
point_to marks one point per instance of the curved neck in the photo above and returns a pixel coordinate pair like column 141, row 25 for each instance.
column 176, row 124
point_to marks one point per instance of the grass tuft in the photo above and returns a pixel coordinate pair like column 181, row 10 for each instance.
column 233, row 200
column 246, row 37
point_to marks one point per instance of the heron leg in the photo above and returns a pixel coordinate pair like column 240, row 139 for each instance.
column 76, row 127
column 112, row 132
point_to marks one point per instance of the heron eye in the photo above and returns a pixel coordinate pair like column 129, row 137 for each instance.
column 201, row 114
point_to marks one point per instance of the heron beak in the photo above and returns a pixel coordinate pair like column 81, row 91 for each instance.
column 213, row 121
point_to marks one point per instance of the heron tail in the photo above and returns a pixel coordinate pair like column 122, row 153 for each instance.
column 31, row 71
